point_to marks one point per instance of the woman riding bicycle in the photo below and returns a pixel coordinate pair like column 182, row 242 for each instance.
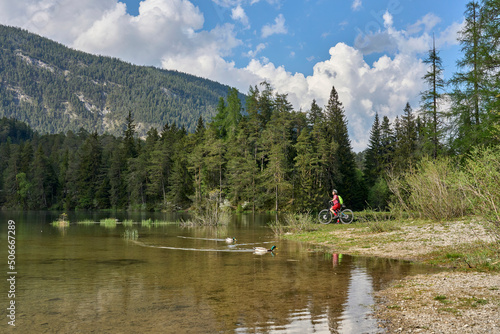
column 335, row 204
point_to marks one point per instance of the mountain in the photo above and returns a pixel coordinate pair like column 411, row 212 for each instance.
column 55, row 89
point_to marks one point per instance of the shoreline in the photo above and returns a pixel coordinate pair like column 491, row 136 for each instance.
column 462, row 300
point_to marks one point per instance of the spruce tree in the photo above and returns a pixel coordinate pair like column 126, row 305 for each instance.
column 89, row 170
column 308, row 172
column 130, row 149
column 405, row 154
column 373, row 157
column 346, row 182
column 475, row 93
column 431, row 99
column 44, row 181
column 315, row 114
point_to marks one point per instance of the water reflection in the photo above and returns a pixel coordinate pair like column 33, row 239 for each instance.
column 168, row 279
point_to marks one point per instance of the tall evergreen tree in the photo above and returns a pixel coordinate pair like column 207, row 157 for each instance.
column 431, row 98
column 233, row 112
column 405, row 154
column 346, row 184
column 241, row 169
column 373, row 158
column 89, row 170
column 309, row 170
column 129, row 138
column 220, row 119
column 44, row 181
column 387, row 141
column 476, row 82
column 315, row 114
column 276, row 145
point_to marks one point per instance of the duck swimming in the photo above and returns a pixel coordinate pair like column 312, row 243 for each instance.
column 230, row 240
column 262, row 250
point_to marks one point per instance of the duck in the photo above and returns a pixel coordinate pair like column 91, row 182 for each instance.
column 262, row 250
column 230, row 240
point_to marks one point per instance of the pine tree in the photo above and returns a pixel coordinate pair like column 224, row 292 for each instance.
column 477, row 81
column 241, row 168
column 44, row 181
column 180, row 181
column 275, row 155
column 116, row 176
column 220, row 119
column 346, row 182
column 406, row 133
column 387, row 141
column 129, row 138
column 89, row 170
column 253, row 131
column 432, row 97
column 373, row 158
column 214, row 161
column 308, row 169
column 315, row 114
column 233, row 112
column 265, row 103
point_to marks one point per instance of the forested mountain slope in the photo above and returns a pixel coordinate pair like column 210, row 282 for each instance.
column 54, row 89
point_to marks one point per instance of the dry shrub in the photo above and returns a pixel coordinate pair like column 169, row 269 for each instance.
column 293, row 223
column 430, row 191
column 480, row 181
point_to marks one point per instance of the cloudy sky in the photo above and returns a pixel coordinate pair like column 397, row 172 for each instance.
column 370, row 50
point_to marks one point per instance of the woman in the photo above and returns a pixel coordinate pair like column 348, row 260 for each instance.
column 335, row 203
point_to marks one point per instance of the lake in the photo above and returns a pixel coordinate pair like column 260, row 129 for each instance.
column 165, row 278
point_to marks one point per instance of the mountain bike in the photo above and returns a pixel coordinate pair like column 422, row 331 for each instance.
column 345, row 216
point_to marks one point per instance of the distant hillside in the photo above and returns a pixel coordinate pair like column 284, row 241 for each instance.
column 54, row 89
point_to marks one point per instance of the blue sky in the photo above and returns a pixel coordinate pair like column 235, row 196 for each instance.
column 370, row 50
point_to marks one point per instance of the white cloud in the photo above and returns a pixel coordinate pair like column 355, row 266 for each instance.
column 356, row 5
column 428, row 22
column 449, row 36
column 406, row 41
column 254, row 53
column 277, row 28
column 61, row 20
column 238, row 14
column 385, row 87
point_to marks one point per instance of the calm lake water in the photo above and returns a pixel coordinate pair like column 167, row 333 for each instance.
column 169, row 279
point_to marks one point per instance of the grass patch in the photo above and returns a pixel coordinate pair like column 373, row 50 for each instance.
column 476, row 256
column 62, row 221
column 128, row 223
column 163, row 222
column 451, row 310
column 472, row 302
column 441, row 298
column 108, row 222
column 147, row 223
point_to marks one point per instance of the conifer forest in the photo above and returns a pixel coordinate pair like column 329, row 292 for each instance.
column 256, row 153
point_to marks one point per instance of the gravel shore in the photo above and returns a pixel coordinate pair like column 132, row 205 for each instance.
column 451, row 302
column 446, row 302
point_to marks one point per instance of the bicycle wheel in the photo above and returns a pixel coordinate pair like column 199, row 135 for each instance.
column 346, row 216
column 325, row 216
